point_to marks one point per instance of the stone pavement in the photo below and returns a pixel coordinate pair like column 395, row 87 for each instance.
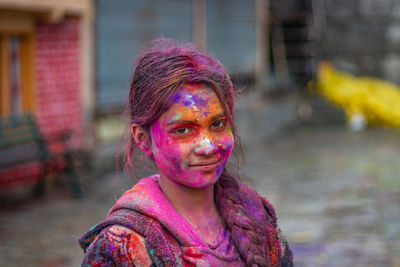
column 336, row 193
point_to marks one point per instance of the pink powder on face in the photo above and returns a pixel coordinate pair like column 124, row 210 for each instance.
column 192, row 141
column 225, row 145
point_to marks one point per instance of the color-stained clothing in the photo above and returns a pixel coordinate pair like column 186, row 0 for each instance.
column 117, row 246
column 143, row 229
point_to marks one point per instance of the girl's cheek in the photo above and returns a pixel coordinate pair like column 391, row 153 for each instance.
column 174, row 151
column 161, row 140
column 156, row 134
column 169, row 159
column 176, row 165
column 226, row 144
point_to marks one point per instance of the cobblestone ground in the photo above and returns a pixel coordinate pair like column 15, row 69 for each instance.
column 336, row 193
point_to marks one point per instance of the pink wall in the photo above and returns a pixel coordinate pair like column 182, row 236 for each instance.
column 58, row 78
column 58, row 90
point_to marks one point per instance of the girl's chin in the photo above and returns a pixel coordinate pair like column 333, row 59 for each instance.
column 204, row 181
column 197, row 180
column 200, row 185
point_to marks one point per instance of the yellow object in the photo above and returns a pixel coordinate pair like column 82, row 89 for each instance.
column 377, row 100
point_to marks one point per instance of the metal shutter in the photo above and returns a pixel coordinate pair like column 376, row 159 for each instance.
column 122, row 28
column 231, row 26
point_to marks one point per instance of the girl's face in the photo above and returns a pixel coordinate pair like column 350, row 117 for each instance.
column 192, row 141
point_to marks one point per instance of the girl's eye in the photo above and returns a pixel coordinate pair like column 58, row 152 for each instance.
column 181, row 131
column 218, row 124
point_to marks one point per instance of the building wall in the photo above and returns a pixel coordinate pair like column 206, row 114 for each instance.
column 59, row 86
column 231, row 33
column 58, row 64
column 123, row 28
column 363, row 37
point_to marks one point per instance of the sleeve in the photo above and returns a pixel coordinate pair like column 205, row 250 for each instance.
column 117, row 246
column 286, row 253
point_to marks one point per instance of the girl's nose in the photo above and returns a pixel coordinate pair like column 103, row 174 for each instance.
column 205, row 147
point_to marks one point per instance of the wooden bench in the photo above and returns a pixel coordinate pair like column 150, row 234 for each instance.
column 25, row 157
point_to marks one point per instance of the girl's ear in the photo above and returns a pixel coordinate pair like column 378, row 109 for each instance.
column 142, row 138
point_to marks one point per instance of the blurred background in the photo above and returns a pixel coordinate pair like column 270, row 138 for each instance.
column 318, row 115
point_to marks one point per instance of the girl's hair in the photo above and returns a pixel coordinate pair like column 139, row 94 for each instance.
column 158, row 74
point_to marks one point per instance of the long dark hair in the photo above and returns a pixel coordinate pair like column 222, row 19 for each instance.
column 158, row 74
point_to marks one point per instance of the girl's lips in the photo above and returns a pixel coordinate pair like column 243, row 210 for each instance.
column 205, row 166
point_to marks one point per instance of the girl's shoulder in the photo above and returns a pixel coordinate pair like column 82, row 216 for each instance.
column 117, row 244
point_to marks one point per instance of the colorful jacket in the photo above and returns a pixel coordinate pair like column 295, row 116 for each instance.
column 143, row 229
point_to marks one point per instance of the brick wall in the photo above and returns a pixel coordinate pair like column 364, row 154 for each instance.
column 58, row 78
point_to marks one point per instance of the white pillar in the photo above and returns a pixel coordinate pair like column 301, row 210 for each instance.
column 199, row 27
column 88, row 95
column 262, row 45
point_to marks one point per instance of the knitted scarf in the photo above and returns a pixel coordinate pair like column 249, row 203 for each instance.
column 145, row 210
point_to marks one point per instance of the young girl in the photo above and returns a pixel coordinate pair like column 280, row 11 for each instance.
column 194, row 212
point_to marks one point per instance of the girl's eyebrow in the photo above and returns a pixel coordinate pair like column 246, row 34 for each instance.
column 219, row 115
column 213, row 118
column 180, row 122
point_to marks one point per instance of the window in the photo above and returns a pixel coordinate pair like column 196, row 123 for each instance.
column 16, row 65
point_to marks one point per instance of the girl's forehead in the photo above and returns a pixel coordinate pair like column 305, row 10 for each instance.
column 196, row 96
column 193, row 102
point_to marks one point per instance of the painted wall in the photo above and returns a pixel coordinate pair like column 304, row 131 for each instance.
column 58, row 64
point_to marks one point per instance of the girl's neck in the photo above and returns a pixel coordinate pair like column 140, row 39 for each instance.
column 196, row 206
column 187, row 199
